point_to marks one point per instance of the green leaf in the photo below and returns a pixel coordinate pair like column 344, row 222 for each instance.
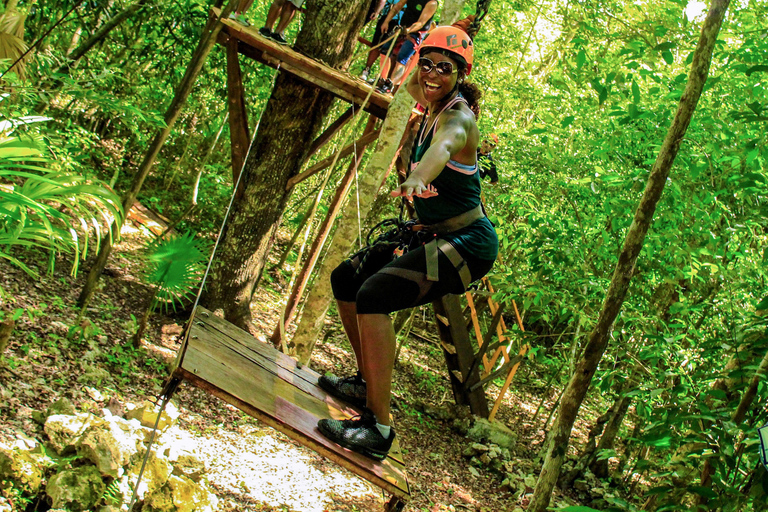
column 578, row 508
column 755, row 69
column 763, row 304
column 581, row 58
column 635, row 92
column 568, row 121
column 668, row 57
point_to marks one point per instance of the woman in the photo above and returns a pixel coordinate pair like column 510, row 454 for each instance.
column 444, row 185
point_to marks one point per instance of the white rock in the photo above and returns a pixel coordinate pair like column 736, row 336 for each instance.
column 65, row 431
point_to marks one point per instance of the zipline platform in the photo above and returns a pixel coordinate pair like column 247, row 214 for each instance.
column 255, row 46
column 264, row 383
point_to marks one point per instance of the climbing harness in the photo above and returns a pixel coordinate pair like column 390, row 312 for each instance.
column 403, row 236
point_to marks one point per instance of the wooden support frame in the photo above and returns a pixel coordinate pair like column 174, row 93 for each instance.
column 329, row 132
column 270, row 386
column 453, row 333
column 344, row 152
column 282, row 57
column 499, row 328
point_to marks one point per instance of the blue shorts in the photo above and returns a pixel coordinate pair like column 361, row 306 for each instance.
column 406, row 49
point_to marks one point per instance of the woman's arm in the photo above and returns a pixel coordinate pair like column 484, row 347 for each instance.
column 449, row 139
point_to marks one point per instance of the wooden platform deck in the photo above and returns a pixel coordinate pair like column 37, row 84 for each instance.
column 268, row 385
column 254, row 45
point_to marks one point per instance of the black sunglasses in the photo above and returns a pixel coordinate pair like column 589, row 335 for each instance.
column 444, row 68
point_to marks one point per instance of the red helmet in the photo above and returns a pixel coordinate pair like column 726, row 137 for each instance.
column 452, row 39
column 494, row 138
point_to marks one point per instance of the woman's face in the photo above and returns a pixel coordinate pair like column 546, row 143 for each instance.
column 434, row 84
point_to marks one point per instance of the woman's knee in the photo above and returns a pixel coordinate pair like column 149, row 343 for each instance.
column 343, row 282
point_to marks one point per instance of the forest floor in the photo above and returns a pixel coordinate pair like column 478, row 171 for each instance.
column 250, row 466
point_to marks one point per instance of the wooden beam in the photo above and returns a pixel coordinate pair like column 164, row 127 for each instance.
column 239, row 135
column 456, row 334
column 504, row 368
column 329, row 132
column 286, row 59
column 322, row 164
column 486, row 341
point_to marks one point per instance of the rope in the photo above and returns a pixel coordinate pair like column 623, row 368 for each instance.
column 167, row 393
column 481, row 11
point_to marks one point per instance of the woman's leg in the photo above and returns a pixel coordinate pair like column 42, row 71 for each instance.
column 348, row 315
column 377, row 340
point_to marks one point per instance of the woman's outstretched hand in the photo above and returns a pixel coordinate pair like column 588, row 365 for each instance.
column 411, row 190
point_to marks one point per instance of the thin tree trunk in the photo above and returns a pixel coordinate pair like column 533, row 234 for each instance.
column 382, row 160
column 598, row 338
column 451, row 11
column 293, row 116
column 302, row 277
column 207, row 40
column 608, row 440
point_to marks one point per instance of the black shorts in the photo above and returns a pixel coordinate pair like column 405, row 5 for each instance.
column 377, row 292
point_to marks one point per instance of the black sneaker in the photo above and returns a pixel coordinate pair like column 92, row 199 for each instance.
column 350, row 389
column 384, row 86
column 278, row 38
column 264, row 31
column 359, row 434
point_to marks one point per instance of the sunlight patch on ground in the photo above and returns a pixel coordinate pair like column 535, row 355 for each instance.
column 275, row 472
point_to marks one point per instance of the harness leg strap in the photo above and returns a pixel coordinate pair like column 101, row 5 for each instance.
column 456, row 259
column 430, row 250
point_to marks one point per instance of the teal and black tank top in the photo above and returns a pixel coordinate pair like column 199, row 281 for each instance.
column 458, row 191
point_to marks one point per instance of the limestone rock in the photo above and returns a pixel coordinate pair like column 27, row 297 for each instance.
column 65, row 431
column 484, row 431
column 61, row 406
column 76, row 489
column 156, row 474
column 180, row 494
column 147, row 415
column 111, row 444
column 19, row 469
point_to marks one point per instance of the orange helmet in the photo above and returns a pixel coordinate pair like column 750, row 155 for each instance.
column 452, row 39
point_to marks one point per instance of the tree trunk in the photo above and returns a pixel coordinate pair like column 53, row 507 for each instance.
column 207, row 40
column 369, row 183
column 293, row 116
column 607, row 442
column 598, row 338
column 451, row 11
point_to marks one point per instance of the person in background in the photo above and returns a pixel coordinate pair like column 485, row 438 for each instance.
column 239, row 13
column 285, row 10
column 460, row 245
column 416, row 18
column 379, row 11
column 485, row 158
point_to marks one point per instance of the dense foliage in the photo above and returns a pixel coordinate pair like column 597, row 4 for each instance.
column 581, row 95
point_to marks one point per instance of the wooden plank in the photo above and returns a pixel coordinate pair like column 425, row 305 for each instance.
column 507, row 382
column 271, row 360
column 448, row 348
column 325, row 77
column 283, row 406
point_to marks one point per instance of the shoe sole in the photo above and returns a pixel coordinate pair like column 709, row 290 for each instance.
column 371, row 454
column 356, row 402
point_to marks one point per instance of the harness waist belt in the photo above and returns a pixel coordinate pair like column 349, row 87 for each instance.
column 454, row 223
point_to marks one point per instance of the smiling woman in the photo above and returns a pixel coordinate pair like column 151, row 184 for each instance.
column 452, row 244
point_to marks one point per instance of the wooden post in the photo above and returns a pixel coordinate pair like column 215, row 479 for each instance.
column 459, row 360
column 239, row 135
column 314, row 252
column 329, row 132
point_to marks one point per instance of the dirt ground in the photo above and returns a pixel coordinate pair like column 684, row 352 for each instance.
column 250, row 466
